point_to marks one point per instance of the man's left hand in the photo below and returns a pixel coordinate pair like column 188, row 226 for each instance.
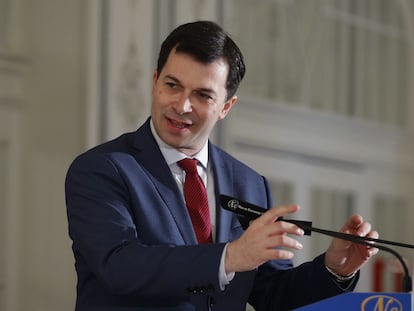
column 345, row 257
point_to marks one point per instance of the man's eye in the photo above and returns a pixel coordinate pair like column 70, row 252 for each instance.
column 171, row 85
column 204, row 96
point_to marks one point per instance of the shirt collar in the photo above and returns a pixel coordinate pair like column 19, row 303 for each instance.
column 172, row 155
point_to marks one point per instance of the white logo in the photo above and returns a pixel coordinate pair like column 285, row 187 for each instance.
column 233, row 204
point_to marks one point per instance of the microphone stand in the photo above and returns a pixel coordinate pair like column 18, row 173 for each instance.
column 406, row 280
column 252, row 211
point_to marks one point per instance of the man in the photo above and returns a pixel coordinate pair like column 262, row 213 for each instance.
column 133, row 239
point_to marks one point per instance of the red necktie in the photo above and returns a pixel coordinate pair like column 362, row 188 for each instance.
column 195, row 195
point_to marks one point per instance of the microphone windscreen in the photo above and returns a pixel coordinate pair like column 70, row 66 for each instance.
column 240, row 207
column 251, row 211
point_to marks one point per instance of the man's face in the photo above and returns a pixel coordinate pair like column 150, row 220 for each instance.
column 188, row 98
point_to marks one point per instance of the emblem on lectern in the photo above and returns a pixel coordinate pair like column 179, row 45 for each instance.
column 381, row 303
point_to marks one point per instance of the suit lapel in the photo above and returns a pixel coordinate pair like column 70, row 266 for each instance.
column 150, row 157
column 223, row 175
column 148, row 154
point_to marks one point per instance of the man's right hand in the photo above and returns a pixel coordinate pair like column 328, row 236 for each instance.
column 265, row 239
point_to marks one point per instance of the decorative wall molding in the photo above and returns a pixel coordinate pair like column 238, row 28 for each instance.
column 9, row 205
column 12, row 69
column 349, row 58
column 311, row 134
column 130, row 93
column 11, row 26
column 132, row 32
column 314, row 150
column 126, row 53
column 4, row 22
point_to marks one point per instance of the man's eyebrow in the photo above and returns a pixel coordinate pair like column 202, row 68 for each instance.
column 200, row 89
column 170, row 77
column 206, row 90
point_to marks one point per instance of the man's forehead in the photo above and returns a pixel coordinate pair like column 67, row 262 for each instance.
column 211, row 73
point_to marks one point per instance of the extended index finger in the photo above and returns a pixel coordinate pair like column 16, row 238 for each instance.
column 353, row 224
column 274, row 213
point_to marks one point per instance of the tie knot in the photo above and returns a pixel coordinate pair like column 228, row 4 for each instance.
column 188, row 165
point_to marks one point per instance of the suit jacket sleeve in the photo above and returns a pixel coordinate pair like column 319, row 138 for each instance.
column 277, row 284
column 280, row 286
column 294, row 287
column 104, row 217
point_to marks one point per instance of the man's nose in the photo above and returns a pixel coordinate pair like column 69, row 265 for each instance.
column 183, row 103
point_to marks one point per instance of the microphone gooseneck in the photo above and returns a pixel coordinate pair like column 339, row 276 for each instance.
column 406, row 281
column 252, row 211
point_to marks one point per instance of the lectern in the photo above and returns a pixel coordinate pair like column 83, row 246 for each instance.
column 364, row 302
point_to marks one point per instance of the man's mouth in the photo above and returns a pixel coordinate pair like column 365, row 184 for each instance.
column 178, row 124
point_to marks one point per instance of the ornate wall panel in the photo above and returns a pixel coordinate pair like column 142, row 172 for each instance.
column 12, row 66
column 352, row 58
column 9, row 208
column 131, row 33
column 3, row 176
column 126, row 65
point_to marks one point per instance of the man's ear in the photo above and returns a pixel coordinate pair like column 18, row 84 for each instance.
column 154, row 79
column 227, row 106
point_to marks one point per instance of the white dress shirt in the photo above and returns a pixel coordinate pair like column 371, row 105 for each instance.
column 172, row 156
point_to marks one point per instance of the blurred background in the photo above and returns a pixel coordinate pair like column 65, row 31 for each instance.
column 326, row 113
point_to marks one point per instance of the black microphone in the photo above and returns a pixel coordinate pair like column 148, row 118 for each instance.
column 252, row 212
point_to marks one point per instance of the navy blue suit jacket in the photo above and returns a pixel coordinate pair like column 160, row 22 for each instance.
column 135, row 248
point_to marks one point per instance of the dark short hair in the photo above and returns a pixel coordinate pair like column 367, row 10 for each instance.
column 206, row 41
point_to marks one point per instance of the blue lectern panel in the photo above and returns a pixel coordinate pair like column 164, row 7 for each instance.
column 364, row 302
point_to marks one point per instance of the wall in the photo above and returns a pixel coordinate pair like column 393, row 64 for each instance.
column 52, row 133
column 58, row 114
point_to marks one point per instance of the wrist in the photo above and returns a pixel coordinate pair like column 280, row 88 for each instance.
column 228, row 264
column 339, row 277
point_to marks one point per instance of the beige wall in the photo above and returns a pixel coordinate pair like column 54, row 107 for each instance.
column 52, row 133
column 60, row 99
